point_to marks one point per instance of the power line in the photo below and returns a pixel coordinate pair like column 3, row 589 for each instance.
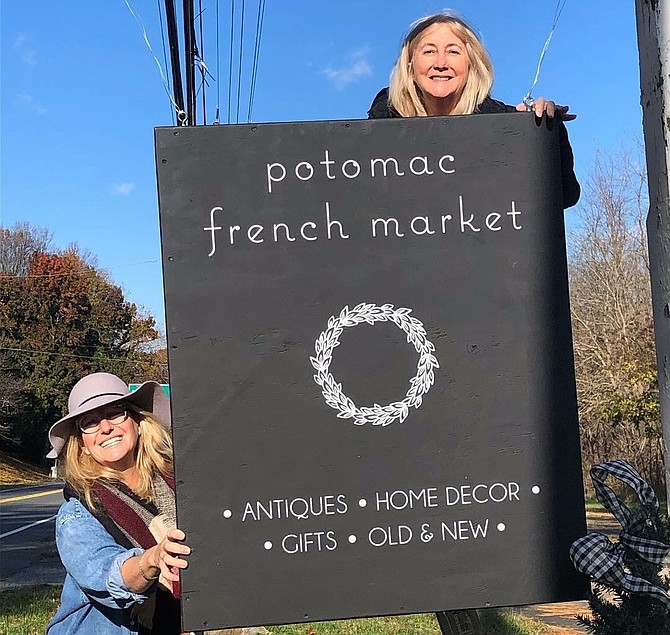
column 217, row 111
column 189, row 52
column 165, row 61
column 173, row 38
column 203, row 68
column 239, row 67
column 138, row 19
column 528, row 99
column 198, row 59
column 230, row 59
column 257, row 50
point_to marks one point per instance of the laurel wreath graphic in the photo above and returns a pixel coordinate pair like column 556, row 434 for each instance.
column 419, row 384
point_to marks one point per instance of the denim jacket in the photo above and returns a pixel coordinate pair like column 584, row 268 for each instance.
column 95, row 599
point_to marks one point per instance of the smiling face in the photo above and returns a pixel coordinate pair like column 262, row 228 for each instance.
column 440, row 68
column 111, row 445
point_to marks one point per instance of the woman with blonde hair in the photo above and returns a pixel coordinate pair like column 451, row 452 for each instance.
column 116, row 532
column 443, row 69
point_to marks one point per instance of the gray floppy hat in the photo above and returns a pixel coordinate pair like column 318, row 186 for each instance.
column 101, row 389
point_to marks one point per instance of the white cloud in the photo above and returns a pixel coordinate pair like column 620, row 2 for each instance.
column 358, row 67
column 28, row 102
column 23, row 45
column 123, row 189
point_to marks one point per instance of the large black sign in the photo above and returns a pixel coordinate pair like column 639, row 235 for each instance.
column 371, row 367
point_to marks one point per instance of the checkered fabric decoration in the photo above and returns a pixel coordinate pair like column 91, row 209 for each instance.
column 597, row 556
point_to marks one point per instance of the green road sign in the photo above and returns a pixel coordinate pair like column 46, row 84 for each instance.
column 166, row 388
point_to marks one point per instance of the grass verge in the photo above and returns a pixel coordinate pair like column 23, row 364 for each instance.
column 499, row 623
column 494, row 623
column 594, row 505
column 393, row 625
column 27, row 611
column 13, row 471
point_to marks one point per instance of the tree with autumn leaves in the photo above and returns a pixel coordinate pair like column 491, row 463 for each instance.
column 61, row 317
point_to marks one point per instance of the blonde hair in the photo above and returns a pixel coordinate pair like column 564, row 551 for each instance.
column 404, row 95
column 153, row 456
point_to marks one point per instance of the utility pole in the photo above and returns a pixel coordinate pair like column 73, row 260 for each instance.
column 653, row 37
column 173, row 38
column 189, row 60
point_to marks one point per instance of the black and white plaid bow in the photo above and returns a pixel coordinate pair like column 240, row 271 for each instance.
column 596, row 555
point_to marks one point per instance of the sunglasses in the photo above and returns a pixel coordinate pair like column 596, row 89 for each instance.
column 90, row 423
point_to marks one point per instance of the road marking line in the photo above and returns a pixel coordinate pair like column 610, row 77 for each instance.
column 27, row 496
column 16, row 531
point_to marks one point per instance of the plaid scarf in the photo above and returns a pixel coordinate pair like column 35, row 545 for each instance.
column 596, row 556
column 135, row 522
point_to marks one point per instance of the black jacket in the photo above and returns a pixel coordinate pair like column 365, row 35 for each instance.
column 380, row 109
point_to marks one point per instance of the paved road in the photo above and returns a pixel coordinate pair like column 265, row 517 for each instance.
column 27, row 535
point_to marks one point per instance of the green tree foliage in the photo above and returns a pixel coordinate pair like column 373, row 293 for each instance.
column 61, row 318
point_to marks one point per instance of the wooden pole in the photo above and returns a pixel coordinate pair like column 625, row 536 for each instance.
column 653, row 36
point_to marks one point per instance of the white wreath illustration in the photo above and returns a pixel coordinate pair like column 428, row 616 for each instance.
column 419, row 384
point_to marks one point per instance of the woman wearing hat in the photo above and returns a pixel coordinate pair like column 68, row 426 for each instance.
column 444, row 69
column 116, row 532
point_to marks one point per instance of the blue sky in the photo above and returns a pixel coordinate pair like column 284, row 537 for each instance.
column 81, row 94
